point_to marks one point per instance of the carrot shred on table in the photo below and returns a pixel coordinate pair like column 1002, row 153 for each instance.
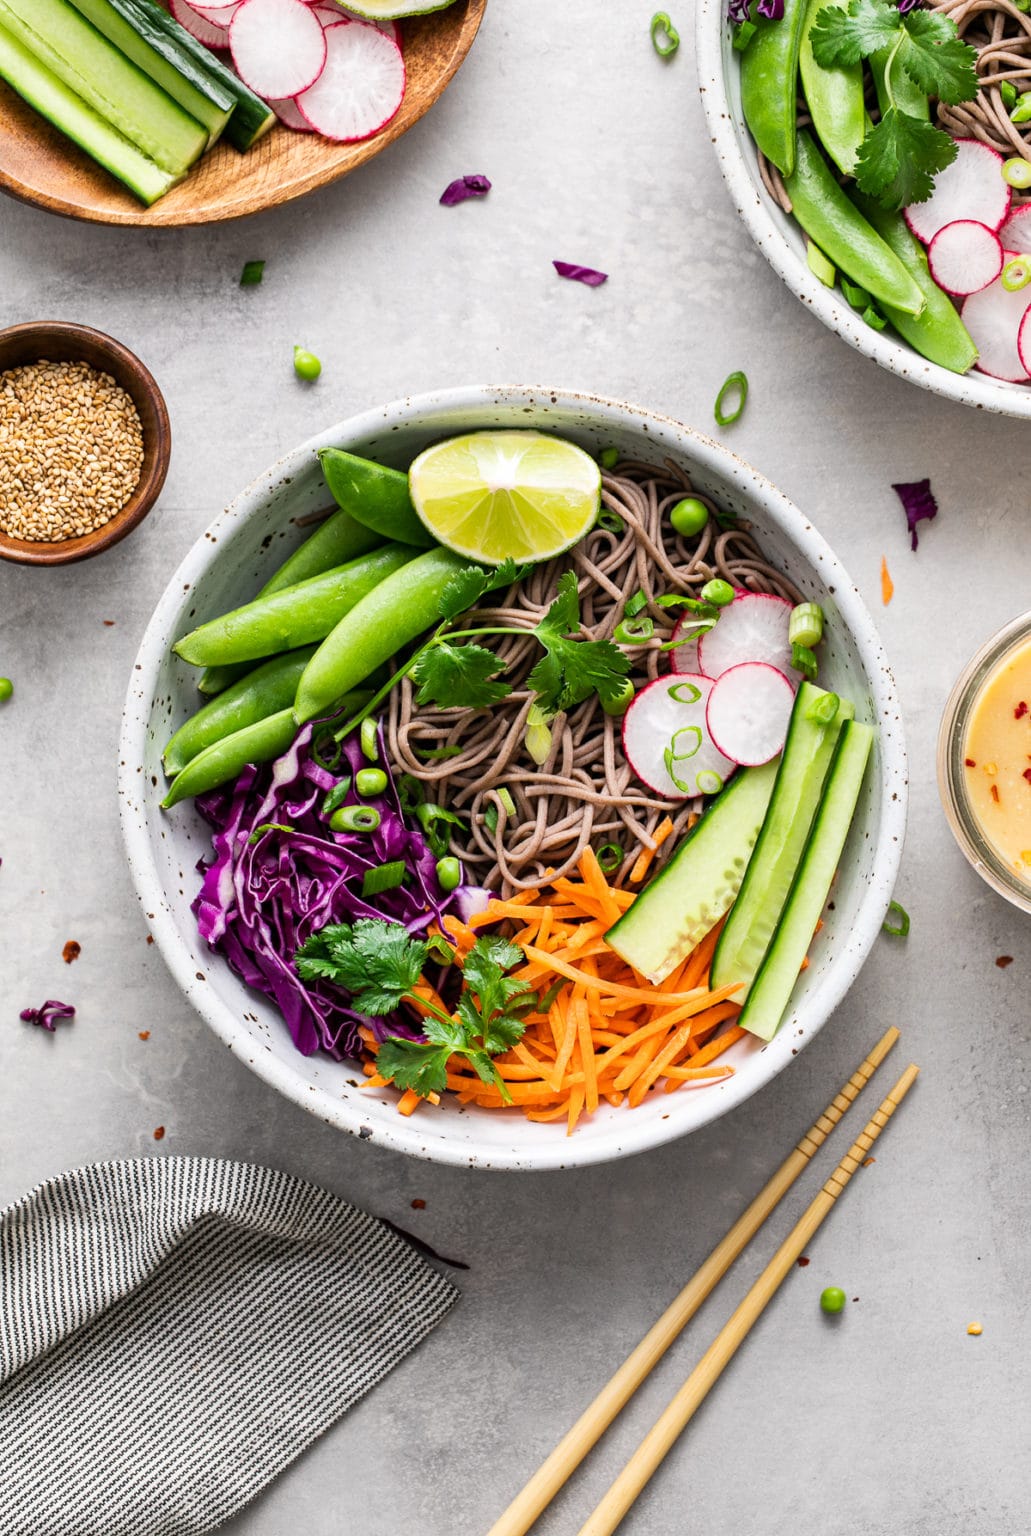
column 887, row 585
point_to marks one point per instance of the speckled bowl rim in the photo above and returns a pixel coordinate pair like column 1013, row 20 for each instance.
column 407, row 1135
column 766, row 223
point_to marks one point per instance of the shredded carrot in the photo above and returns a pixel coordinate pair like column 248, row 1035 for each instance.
column 887, row 585
column 642, row 863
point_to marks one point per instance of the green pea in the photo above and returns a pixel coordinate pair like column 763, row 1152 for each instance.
column 718, row 592
column 449, row 873
column 622, row 701
column 355, row 818
column 832, row 1300
column 689, row 516
column 6, row 688
column 370, row 781
column 306, row 364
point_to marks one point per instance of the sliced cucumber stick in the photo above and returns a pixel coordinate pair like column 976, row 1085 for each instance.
column 771, row 991
column 676, row 910
column 61, row 106
column 796, row 796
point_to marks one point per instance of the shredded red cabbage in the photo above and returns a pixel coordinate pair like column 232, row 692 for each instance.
column 588, row 275
column 464, row 187
column 773, row 10
column 279, row 874
column 918, row 503
column 739, row 11
column 49, row 1014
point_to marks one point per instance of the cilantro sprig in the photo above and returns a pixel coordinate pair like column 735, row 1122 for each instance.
column 901, row 155
column 380, row 965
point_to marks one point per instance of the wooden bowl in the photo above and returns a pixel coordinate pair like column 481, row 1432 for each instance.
column 40, row 166
column 59, row 341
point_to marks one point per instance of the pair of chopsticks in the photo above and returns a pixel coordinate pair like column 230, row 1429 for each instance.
column 592, row 1423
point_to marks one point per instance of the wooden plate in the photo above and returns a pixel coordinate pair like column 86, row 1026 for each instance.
column 40, row 166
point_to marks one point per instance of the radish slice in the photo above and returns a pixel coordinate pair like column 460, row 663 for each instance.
column 1015, row 234
column 748, row 712
column 361, row 87
column 667, row 742
column 685, row 657
column 200, row 27
column 971, row 187
column 1024, row 340
column 219, row 14
column 964, row 257
column 754, row 627
column 285, row 109
column 993, row 318
column 279, row 47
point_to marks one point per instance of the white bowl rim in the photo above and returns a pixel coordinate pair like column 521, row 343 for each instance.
column 405, row 1135
column 894, row 354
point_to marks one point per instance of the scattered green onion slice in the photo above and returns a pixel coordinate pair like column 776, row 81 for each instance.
column 610, row 857
column 1017, row 172
column 1008, row 92
column 370, row 739
column 665, row 37
column 634, row 631
column 608, row 458
column 507, row 801
column 252, row 274
column 449, row 873
column 856, row 296
column 6, row 688
column 384, row 877
column 337, row 795
column 900, row 929
column 610, row 521
column 685, row 693
column 490, row 818
column 1016, row 274
column 873, row 318
column 635, row 605
column 1022, row 111
column 743, row 34
column 619, row 703
column 709, row 782
column 548, row 997
column 718, row 592
column 329, row 763
column 735, row 383
column 370, row 781
column 824, row 709
column 805, row 625
column 410, row 792
column 269, row 826
column 355, row 818
column 306, row 364
column 538, row 735
column 689, row 516
column 819, row 265
column 438, row 754
column 804, row 660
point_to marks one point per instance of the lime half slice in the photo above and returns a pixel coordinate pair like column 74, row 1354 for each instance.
column 493, row 494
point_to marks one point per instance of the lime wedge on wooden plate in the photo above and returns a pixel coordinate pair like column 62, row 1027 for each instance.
column 489, row 495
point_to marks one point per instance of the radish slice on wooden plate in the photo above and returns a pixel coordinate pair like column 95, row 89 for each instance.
column 964, row 257
column 286, row 110
column 667, row 742
column 993, row 317
column 1015, row 234
column 754, row 627
column 278, row 46
column 748, row 712
column 361, row 87
column 201, row 27
column 685, row 657
column 971, row 187
column 220, row 14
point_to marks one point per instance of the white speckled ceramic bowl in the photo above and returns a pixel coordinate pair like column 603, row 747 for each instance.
column 783, row 244
column 227, row 565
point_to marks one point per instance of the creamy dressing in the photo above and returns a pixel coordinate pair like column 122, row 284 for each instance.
column 997, row 761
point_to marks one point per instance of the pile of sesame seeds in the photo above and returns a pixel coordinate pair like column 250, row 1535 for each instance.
column 71, row 450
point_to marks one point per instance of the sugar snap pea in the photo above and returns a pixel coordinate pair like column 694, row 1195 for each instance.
column 834, row 96
column 769, row 84
column 295, row 616
column 262, row 692
column 840, row 230
column 339, row 539
column 374, row 495
column 375, row 629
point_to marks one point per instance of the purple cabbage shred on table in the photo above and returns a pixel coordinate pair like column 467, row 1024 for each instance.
column 279, row 874
column 462, row 189
column 49, row 1014
column 918, row 503
column 577, row 274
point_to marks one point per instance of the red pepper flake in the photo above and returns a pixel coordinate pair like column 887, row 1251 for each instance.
column 1027, row 774
column 1020, row 711
column 418, row 1205
column 150, row 938
column 803, row 1262
column 993, row 790
column 108, row 623
column 969, row 762
column 1002, row 961
column 144, row 1034
column 71, row 951
column 159, row 1134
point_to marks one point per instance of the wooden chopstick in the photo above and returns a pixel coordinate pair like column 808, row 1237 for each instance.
column 534, row 1498
column 670, row 1424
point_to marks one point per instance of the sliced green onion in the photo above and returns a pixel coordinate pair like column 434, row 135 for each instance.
column 634, row 631
column 329, row 763
column 685, row 693
column 804, row 660
column 619, row 703
column 370, row 781
column 824, row 709
column 856, row 296
column 410, row 792
column 1017, row 172
column 269, row 826
column 337, row 795
column 899, row 930
column 252, row 274
column 873, row 318
column 805, row 626
column 538, row 735
column 611, row 521
column 1008, row 92
column 384, row 877
column 370, row 739
column 438, row 945
column 692, row 604
column 507, row 801
column 701, row 627
column 665, row 37
column 819, row 265
column 434, row 821
column 610, row 856
column 709, row 782
column 548, row 997
column 438, row 754
column 718, row 592
column 355, row 818
column 734, row 384
column 1022, row 111
column 608, row 458
column 743, row 34
column 635, row 605
column 449, row 873
column 1016, row 274
column 490, row 818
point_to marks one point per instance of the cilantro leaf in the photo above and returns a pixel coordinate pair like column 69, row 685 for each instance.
column 845, row 36
column 936, row 58
column 466, row 587
column 900, row 158
column 572, row 669
column 376, row 961
column 457, row 676
column 410, row 1064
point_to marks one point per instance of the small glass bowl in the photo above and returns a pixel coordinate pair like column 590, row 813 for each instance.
column 951, row 777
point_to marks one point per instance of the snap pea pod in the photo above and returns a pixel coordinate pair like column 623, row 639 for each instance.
column 339, row 539
column 296, row 616
column 374, row 495
column 840, row 230
column 769, row 84
column 937, row 333
column 375, row 629
column 834, row 96
column 262, row 692
column 262, row 742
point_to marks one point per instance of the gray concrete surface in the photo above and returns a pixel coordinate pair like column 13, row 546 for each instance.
column 890, row 1420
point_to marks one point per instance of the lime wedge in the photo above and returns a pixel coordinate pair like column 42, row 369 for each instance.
column 489, row 495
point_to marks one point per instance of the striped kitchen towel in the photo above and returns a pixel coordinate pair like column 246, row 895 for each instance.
column 175, row 1331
